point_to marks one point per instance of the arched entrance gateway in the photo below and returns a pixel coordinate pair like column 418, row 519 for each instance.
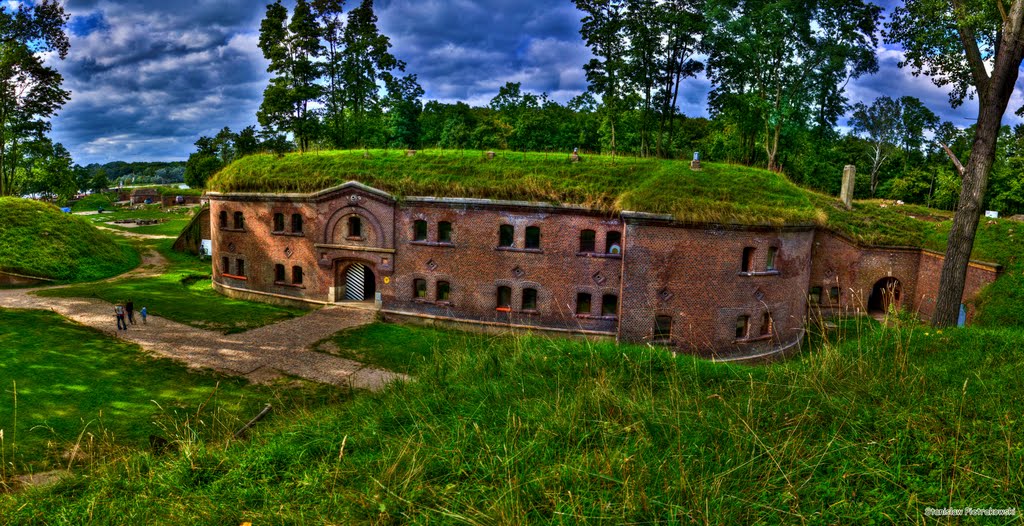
column 354, row 282
column 884, row 294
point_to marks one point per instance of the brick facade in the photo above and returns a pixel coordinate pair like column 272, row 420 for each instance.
column 726, row 291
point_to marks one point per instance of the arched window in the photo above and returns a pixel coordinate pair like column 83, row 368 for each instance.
column 504, row 298
column 613, row 242
column 240, row 266
column 741, row 326
column 748, row 260
column 225, row 265
column 588, row 240
column 582, row 303
column 444, row 232
column 239, row 221
column 766, row 324
column 296, row 223
column 444, row 291
column 506, row 235
column 529, row 299
column 419, row 230
column 533, row 237
column 770, row 262
column 419, row 288
column 355, row 226
column 609, row 305
column 279, row 272
column 223, row 219
column 297, row 275
column 279, row 222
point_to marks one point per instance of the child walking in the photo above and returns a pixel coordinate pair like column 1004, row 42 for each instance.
column 143, row 313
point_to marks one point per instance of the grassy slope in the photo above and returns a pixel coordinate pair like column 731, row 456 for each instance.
column 173, row 222
column 505, row 430
column 184, row 294
column 38, row 240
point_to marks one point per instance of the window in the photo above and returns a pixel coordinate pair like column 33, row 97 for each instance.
column 533, row 237
column 505, row 235
column 613, row 242
column 419, row 288
column 833, row 294
column 279, row 272
column 504, row 298
column 355, row 227
column 223, row 218
column 588, row 241
column 444, row 232
column 662, row 327
column 240, row 267
column 741, row 326
column 609, row 305
column 225, row 265
column 278, row 222
column 296, row 223
column 239, row 221
column 748, row 260
column 770, row 262
column 529, row 299
column 297, row 275
column 419, row 230
column 814, row 297
column 582, row 303
column 766, row 324
column 444, row 291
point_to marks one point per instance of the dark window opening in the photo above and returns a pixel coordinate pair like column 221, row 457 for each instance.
column 240, row 267
column 766, row 324
column 741, row 326
column 529, row 299
column 225, row 265
column 533, row 237
column 770, row 262
column 588, row 240
column 748, row 259
column 355, row 227
column 223, row 219
column 613, row 242
column 814, row 297
column 278, row 222
column 504, row 298
column 239, row 221
column 297, row 275
column 419, row 288
column 662, row 327
column 444, row 232
column 833, row 294
column 296, row 223
column 609, row 305
column 278, row 272
column 444, row 291
column 582, row 303
column 506, row 233
column 419, row 231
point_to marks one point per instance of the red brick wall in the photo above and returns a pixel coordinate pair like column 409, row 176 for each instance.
column 978, row 275
column 694, row 275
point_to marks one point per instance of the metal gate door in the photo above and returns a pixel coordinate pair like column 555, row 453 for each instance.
column 355, row 278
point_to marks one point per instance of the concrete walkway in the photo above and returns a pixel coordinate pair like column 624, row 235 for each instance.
column 261, row 355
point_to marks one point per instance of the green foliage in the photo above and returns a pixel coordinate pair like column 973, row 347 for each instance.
column 873, row 427
column 39, row 240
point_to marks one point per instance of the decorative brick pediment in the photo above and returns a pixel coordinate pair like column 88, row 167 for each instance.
column 354, row 193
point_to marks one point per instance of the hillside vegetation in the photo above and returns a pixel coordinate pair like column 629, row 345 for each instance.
column 37, row 239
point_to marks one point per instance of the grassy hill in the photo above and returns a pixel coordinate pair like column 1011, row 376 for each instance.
column 37, row 239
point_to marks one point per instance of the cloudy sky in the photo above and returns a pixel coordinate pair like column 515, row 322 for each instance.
column 148, row 77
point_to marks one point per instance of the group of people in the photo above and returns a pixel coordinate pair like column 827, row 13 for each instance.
column 125, row 313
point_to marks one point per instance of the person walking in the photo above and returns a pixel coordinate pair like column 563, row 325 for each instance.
column 130, row 310
column 143, row 313
column 119, row 312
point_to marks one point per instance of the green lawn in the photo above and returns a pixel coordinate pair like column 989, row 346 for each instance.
column 63, row 383
column 873, row 426
column 183, row 293
column 173, row 222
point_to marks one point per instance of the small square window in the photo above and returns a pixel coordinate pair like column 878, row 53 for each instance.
column 419, row 231
column 239, row 221
column 223, row 219
column 529, row 299
column 741, row 326
column 814, row 296
column 444, row 232
column 296, row 223
column 767, row 325
column 225, row 265
column 833, row 294
column 504, row 298
column 278, row 222
column 770, row 262
column 748, row 260
column 278, row 272
column 419, row 288
column 582, row 303
column 444, row 291
column 355, row 227
column 613, row 242
column 506, row 235
column 662, row 327
column 609, row 305
column 588, row 240
column 533, row 237
column 297, row 275
column 240, row 266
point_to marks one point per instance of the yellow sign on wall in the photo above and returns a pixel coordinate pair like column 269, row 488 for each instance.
column 387, row 280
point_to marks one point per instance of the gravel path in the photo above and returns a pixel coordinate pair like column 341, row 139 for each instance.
column 261, row 355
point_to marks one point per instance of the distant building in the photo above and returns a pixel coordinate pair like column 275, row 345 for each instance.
column 145, row 196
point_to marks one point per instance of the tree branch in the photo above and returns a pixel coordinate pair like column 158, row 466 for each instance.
column 970, row 44
column 952, row 157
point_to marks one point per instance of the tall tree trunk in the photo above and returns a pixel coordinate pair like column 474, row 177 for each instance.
column 992, row 104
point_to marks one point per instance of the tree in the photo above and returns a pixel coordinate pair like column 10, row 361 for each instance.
column 602, row 31
column 975, row 47
column 880, row 122
column 30, row 90
column 99, row 182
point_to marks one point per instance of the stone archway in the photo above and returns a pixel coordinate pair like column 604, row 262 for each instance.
column 354, row 281
column 884, row 294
